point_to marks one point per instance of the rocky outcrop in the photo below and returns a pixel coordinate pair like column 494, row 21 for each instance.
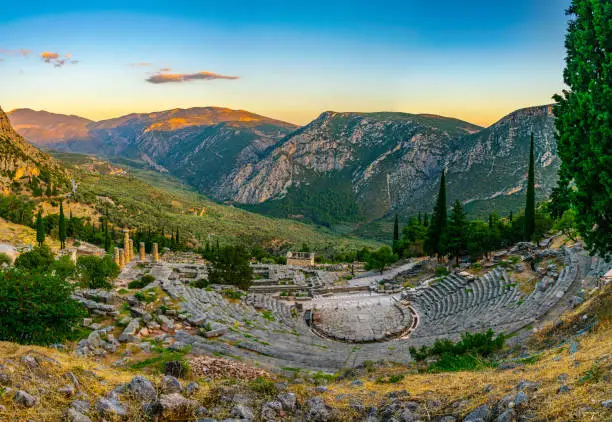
column 392, row 161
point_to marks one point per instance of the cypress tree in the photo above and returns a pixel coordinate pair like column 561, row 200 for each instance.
column 426, row 220
column 510, row 217
column 395, row 234
column 530, row 204
column 584, row 121
column 40, row 229
column 457, row 231
column 420, row 219
column 62, row 226
column 435, row 244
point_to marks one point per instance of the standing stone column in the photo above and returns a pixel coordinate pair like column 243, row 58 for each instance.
column 131, row 249
column 142, row 251
column 117, row 259
column 126, row 244
column 155, row 253
column 121, row 258
column 73, row 255
column 126, row 256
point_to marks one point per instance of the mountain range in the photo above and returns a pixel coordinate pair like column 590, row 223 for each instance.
column 340, row 167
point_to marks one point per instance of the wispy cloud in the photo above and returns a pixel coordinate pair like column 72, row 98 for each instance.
column 20, row 52
column 141, row 64
column 165, row 69
column 56, row 59
column 162, row 78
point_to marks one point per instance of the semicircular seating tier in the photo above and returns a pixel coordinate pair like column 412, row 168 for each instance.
column 282, row 338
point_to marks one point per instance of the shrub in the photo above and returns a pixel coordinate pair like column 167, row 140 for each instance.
column 471, row 352
column 143, row 281
column 146, row 296
column 263, row 386
column 63, row 267
column 39, row 259
column 442, row 271
column 96, row 272
column 5, row 259
column 50, row 313
column 201, row 283
column 268, row 315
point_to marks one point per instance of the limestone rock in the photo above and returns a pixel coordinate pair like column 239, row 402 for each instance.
column 482, row 413
column 170, row 384
column 142, row 389
column 25, row 399
column 318, row 411
column 110, row 408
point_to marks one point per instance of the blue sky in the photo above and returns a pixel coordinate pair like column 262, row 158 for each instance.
column 475, row 60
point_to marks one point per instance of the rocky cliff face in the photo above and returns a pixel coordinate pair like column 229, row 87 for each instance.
column 393, row 161
column 20, row 161
column 373, row 152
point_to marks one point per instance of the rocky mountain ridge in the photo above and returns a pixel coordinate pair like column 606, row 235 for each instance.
column 380, row 163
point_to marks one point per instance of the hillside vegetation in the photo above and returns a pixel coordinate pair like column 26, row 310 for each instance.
column 161, row 201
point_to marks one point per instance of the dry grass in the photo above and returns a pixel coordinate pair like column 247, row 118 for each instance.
column 16, row 234
column 581, row 403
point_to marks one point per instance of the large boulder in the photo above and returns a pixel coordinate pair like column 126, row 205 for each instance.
column 318, row 411
column 172, row 407
column 142, row 389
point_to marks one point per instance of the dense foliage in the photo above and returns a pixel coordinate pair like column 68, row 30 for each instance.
column 325, row 201
column 36, row 307
column 231, row 265
column 584, row 123
column 95, row 272
column 470, row 352
column 379, row 259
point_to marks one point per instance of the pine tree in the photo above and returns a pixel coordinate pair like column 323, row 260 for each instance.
column 62, row 226
column 435, row 243
column 530, row 203
column 40, row 229
column 584, row 120
column 395, row 234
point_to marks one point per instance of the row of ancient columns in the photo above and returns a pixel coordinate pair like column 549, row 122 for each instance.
column 125, row 255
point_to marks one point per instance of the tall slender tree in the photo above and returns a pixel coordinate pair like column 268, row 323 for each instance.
column 584, row 120
column 530, row 203
column 40, row 229
column 435, row 243
column 457, row 231
column 395, row 234
column 62, row 226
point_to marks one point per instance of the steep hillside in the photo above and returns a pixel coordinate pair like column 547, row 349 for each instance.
column 49, row 130
column 488, row 170
column 145, row 199
column 392, row 162
column 22, row 166
column 199, row 145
